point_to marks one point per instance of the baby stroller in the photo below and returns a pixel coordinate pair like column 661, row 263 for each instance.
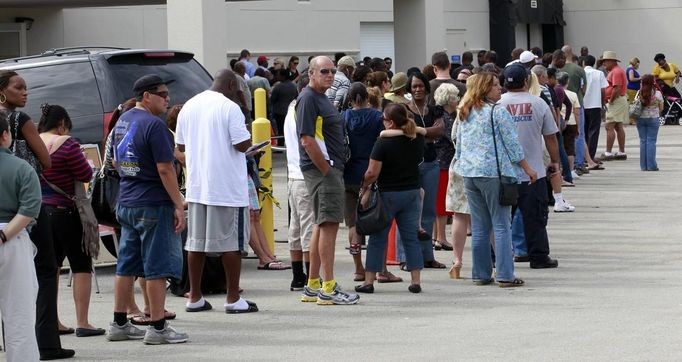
column 672, row 111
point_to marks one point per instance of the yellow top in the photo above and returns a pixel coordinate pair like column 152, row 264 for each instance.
column 668, row 76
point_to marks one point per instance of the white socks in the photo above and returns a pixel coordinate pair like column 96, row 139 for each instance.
column 558, row 197
column 198, row 304
column 241, row 304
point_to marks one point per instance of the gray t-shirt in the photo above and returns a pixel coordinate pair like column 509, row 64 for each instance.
column 533, row 119
column 316, row 117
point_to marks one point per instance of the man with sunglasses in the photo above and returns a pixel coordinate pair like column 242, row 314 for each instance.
column 323, row 152
column 150, row 210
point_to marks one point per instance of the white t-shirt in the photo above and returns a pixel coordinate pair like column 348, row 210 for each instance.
column 595, row 82
column 533, row 119
column 291, row 140
column 574, row 101
column 209, row 125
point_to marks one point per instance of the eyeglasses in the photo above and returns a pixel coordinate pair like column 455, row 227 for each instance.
column 326, row 71
column 163, row 94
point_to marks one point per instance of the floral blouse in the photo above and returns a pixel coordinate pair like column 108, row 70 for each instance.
column 652, row 111
column 475, row 152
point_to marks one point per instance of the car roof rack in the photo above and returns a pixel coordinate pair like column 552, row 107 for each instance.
column 64, row 51
column 77, row 49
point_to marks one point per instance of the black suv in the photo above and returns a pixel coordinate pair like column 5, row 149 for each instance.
column 90, row 82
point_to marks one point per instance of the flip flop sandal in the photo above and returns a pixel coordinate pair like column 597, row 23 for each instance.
column 358, row 277
column 388, row 278
column 596, row 167
column 166, row 314
column 67, row 331
column 252, row 307
column 481, row 282
column 140, row 320
column 511, row 284
column 273, row 265
column 433, row 265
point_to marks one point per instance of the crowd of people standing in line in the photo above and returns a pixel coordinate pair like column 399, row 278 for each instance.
column 438, row 143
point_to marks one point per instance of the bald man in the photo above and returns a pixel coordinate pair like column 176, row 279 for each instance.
column 323, row 152
column 212, row 132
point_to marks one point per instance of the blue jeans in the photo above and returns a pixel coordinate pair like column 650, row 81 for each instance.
column 518, row 235
column 648, row 133
column 563, row 156
column 428, row 179
column 580, row 140
column 403, row 206
column 149, row 246
column 487, row 214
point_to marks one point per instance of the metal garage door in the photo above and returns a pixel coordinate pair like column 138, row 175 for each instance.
column 376, row 40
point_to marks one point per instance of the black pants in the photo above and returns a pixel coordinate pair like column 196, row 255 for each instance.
column 533, row 205
column 47, row 328
column 592, row 127
column 279, row 121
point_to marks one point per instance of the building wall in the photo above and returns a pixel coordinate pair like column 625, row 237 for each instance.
column 631, row 28
column 285, row 27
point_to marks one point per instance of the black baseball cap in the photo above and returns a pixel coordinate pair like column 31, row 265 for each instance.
column 149, row 82
column 515, row 73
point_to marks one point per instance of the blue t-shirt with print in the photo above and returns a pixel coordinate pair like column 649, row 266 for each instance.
column 141, row 140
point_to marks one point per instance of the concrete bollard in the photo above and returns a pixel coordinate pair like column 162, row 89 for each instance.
column 261, row 131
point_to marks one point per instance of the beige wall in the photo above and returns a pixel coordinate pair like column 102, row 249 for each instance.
column 285, row 27
column 631, row 28
column 47, row 31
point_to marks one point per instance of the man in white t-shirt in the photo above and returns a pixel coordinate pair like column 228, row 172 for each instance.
column 301, row 215
column 535, row 122
column 595, row 94
column 212, row 133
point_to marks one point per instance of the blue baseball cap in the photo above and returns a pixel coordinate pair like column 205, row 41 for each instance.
column 515, row 73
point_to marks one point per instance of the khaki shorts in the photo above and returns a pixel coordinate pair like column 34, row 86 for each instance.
column 617, row 111
column 301, row 224
column 327, row 193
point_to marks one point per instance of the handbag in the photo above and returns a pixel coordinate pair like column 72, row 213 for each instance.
column 509, row 189
column 636, row 107
column 20, row 148
column 90, row 242
column 373, row 218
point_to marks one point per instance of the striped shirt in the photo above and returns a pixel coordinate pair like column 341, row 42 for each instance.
column 68, row 164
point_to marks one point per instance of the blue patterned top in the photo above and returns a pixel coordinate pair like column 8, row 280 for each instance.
column 475, row 150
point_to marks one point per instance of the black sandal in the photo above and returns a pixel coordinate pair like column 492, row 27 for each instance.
column 433, row 264
column 511, row 284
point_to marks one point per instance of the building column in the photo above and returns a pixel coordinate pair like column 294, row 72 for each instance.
column 419, row 31
column 199, row 26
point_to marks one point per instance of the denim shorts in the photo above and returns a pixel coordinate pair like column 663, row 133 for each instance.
column 149, row 247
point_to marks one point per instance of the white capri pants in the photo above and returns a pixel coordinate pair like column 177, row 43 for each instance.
column 18, row 292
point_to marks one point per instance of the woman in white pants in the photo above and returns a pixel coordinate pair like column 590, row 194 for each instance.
column 20, row 199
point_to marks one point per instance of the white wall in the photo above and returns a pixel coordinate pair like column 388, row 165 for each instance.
column 291, row 27
column 466, row 26
column 631, row 28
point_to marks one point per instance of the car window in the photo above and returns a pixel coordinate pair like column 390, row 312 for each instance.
column 189, row 77
column 70, row 85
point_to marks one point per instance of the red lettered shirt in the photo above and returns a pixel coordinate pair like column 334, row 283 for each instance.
column 616, row 77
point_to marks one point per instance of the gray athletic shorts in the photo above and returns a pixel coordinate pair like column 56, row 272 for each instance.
column 217, row 229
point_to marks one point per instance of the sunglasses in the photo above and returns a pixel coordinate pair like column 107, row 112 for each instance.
column 327, row 71
column 163, row 94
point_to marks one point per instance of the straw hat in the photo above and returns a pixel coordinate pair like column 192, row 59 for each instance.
column 610, row 55
column 398, row 81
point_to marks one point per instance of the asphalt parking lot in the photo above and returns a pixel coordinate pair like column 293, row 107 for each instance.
column 615, row 296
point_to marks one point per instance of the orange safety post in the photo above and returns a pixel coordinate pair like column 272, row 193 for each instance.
column 391, row 257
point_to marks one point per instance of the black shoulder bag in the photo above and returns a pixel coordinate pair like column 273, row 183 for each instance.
column 374, row 217
column 509, row 190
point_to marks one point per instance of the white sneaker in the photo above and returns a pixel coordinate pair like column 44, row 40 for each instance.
column 564, row 206
column 575, row 175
